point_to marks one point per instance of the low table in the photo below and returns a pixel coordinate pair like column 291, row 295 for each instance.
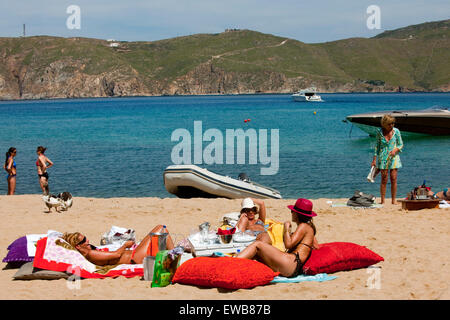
column 201, row 249
column 419, row 204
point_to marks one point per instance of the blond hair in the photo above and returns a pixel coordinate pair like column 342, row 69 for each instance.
column 386, row 120
column 72, row 238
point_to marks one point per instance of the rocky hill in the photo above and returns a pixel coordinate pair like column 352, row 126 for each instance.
column 414, row 58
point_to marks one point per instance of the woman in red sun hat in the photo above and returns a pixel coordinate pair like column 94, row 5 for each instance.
column 298, row 244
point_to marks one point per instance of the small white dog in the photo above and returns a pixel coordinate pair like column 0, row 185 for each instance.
column 62, row 200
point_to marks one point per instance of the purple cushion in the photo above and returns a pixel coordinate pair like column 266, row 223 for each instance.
column 18, row 251
column 19, row 242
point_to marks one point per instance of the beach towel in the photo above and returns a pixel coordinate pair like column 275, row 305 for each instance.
column 275, row 231
column 321, row 277
column 372, row 206
column 55, row 254
column 32, row 240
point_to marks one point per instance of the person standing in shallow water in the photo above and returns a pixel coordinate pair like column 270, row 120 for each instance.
column 42, row 164
column 389, row 144
column 10, row 167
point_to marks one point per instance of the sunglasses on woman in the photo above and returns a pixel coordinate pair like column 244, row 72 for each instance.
column 82, row 241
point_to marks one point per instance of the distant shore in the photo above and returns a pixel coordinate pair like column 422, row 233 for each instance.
column 218, row 95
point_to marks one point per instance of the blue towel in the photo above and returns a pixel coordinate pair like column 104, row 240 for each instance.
column 300, row 278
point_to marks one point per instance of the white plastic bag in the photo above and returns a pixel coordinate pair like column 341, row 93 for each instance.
column 372, row 174
column 118, row 236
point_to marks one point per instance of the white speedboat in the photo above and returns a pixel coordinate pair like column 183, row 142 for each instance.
column 432, row 121
column 307, row 95
column 191, row 181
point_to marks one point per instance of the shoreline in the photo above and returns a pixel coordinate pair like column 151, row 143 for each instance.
column 333, row 200
column 388, row 231
column 216, row 95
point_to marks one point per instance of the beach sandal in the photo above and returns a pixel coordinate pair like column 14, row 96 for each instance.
column 361, row 199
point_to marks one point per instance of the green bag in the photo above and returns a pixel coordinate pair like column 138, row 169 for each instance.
column 164, row 269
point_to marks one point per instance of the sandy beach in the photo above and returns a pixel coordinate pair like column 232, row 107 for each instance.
column 414, row 245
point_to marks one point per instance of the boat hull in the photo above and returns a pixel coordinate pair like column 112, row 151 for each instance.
column 299, row 98
column 428, row 122
column 189, row 181
column 304, row 98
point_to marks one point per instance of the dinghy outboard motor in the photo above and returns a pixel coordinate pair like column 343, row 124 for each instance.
column 244, row 177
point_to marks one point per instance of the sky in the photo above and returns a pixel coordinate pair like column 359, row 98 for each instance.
column 149, row 20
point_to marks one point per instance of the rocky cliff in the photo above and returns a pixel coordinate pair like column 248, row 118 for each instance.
column 233, row 62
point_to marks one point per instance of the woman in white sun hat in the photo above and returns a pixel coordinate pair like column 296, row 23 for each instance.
column 249, row 221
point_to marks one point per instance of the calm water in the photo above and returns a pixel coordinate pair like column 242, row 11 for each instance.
column 119, row 147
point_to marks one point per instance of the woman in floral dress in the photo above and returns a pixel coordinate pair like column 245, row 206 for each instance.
column 386, row 159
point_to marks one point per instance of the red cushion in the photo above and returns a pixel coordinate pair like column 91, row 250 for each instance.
column 339, row 256
column 224, row 272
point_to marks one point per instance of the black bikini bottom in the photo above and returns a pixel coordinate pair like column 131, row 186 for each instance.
column 45, row 175
column 299, row 269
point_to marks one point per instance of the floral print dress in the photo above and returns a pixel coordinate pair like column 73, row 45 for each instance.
column 383, row 148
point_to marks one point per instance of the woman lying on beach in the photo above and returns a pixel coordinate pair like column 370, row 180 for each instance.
column 443, row 195
column 248, row 220
column 120, row 256
column 10, row 167
column 299, row 244
column 43, row 163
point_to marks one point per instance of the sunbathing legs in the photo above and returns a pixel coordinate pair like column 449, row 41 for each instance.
column 141, row 249
column 275, row 259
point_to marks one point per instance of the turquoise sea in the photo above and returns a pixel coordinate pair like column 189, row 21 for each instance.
column 119, row 147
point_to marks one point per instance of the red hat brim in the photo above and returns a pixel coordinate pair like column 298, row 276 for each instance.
column 312, row 214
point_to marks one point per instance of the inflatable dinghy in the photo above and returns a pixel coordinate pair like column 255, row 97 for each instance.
column 190, row 181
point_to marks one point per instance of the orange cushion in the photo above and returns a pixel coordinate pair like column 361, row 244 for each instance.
column 339, row 256
column 224, row 272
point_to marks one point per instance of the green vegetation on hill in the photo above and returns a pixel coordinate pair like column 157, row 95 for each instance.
column 427, row 30
column 415, row 57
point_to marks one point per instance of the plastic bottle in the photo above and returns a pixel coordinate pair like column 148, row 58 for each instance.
column 163, row 238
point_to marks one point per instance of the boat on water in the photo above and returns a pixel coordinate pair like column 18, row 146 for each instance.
column 191, row 181
column 307, row 95
column 432, row 121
